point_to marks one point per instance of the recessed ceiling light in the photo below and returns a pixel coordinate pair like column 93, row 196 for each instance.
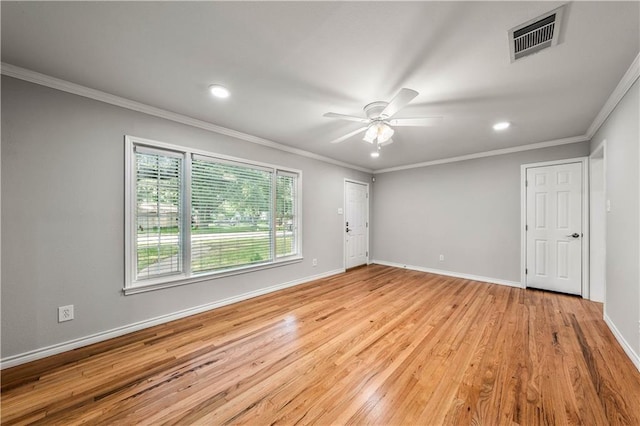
column 219, row 91
column 501, row 126
column 375, row 154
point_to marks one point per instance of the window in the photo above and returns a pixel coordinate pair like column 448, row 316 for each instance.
column 192, row 215
column 231, row 206
column 158, row 208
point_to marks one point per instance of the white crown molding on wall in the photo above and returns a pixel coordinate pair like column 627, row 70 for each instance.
column 630, row 76
column 76, row 89
column 621, row 89
column 492, row 153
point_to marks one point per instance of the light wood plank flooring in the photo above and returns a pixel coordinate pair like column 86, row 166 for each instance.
column 377, row 345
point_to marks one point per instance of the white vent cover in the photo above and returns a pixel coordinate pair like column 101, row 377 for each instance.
column 536, row 34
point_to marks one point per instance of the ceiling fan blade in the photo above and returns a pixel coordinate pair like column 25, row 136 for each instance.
column 403, row 97
column 348, row 135
column 423, row 121
column 385, row 143
column 346, row 117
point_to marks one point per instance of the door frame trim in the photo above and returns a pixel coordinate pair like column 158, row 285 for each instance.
column 585, row 218
column 342, row 223
column 601, row 152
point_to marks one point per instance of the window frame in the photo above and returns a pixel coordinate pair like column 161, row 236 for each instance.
column 133, row 285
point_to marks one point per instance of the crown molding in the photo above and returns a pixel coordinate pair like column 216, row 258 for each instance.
column 621, row 89
column 627, row 80
column 630, row 76
column 503, row 151
column 55, row 83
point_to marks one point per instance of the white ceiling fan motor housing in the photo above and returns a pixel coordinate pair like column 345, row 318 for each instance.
column 374, row 109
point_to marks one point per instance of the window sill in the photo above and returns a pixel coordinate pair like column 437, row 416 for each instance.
column 158, row 284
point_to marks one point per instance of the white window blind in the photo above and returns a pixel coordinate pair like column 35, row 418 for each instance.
column 158, row 237
column 286, row 214
column 231, row 208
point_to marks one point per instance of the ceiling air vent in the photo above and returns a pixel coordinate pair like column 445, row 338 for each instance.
column 536, row 34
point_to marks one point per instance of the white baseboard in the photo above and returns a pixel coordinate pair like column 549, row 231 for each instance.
column 450, row 274
column 12, row 361
column 633, row 356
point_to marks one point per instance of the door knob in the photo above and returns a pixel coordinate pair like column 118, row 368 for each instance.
column 348, row 229
column 574, row 235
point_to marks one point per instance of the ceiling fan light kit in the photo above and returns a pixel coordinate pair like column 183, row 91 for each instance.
column 379, row 128
column 371, row 134
column 378, row 131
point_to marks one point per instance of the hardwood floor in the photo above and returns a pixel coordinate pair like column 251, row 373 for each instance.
column 377, row 345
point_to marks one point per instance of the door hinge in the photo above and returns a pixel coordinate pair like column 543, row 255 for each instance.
column 366, row 253
column 367, row 195
column 526, row 227
column 526, row 183
column 367, row 224
column 526, row 271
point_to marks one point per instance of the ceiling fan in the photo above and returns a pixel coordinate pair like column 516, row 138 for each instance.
column 379, row 122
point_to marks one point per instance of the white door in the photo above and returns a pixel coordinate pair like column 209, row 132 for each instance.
column 554, row 228
column 356, row 223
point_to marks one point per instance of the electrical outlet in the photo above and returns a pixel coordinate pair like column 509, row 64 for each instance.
column 442, row 258
column 315, row 262
column 65, row 313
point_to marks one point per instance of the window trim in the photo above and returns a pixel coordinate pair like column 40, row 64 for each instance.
column 133, row 286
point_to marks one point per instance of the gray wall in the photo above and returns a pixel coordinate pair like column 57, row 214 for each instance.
column 622, row 298
column 63, row 217
column 469, row 211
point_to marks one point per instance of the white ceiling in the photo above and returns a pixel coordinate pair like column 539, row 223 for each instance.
column 287, row 63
